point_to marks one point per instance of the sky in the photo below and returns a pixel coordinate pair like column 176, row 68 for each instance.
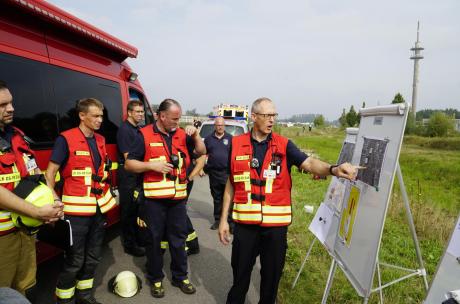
column 308, row 56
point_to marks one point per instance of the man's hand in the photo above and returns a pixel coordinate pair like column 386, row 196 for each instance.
column 224, row 232
column 191, row 131
column 160, row 166
column 50, row 213
column 346, row 170
column 201, row 173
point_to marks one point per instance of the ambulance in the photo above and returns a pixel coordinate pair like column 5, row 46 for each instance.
column 49, row 60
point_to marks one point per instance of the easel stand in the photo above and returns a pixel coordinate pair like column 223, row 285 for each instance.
column 411, row 272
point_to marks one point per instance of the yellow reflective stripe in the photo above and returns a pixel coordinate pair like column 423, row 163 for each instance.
column 247, row 207
column 79, row 209
column 135, row 194
column 277, row 219
column 4, row 214
column 164, row 245
column 105, row 175
column 109, row 205
column 181, row 186
column 10, row 178
column 88, row 200
column 114, row 166
column 6, row 225
column 191, row 236
column 85, row 284
column 245, row 177
column 160, row 192
column 268, row 185
column 65, row 293
column 156, row 144
column 276, row 209
column 105, row 199
column 84, row 172
column 160, row 158
column 58, row 177
column 15, row 170
column 180, row 194
column 82, row 153
column 255, row 217
column 141, row 223
column 242, row 157
column 157, row 185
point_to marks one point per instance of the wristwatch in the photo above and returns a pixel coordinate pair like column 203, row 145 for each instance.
column 330, row 169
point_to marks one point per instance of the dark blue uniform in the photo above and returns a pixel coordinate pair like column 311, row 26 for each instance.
column 217, row 167
column 164, row 217
column 127, row 183
column 251, row 241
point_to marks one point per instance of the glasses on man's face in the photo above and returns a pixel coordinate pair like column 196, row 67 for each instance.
column 267, row 116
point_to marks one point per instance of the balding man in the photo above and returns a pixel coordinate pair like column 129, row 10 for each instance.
column 218, row 146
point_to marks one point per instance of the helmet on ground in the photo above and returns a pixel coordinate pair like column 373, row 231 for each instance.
column 35, row 192
column 125, row 284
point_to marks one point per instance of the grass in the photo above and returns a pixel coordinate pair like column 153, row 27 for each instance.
column 432, row 182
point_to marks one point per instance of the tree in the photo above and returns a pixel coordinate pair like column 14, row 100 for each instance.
column 192, row 112
column 352, row 117
column 343, row 119
column 398, row 98
column 439, row 125
column 359, row 114
column 319, row 121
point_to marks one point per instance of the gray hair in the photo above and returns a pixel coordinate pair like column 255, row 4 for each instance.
column 255, row 108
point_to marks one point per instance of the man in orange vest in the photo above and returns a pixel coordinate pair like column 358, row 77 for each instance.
column 260, row 188
column 17, row 161
column 80, row 156
column 162, row 156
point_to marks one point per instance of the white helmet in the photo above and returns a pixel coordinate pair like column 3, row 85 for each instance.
column 125, row 284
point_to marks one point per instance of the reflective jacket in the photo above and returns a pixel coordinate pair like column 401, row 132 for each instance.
column 263, row 199
column 85, row 187
column 13, row 167
column 160, row 185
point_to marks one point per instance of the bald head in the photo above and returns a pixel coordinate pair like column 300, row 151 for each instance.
column 219, row 126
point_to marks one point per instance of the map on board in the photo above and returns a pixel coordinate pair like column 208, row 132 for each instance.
column 346, row 153
column 372, row 156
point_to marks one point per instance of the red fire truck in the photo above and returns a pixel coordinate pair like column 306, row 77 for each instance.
column 50, row 59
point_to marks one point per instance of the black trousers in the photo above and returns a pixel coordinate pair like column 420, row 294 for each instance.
column 166, row 218
column 127, row 182
column 83, row 257
column 249, row 242
column 217, row 181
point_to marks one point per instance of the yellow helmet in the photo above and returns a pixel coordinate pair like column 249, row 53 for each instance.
column 125, row 284
column 35, row 192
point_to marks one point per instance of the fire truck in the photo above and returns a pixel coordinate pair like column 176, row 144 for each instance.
column 50, row 59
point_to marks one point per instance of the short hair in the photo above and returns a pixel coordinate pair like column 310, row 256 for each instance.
column 134, row 103
column 256, row 104
column 3, row 85
column 84, row 104
column 166, row 104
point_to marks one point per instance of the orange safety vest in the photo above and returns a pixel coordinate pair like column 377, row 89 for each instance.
column 160, row 185
column 263, row 199
column 13, row 167
column 84, row 186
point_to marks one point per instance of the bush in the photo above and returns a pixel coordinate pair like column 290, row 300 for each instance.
column 439, row 125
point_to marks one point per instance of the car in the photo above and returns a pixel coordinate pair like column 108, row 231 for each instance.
column 233, row 127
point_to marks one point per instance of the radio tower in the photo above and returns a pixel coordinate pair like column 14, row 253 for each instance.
column 416, row 57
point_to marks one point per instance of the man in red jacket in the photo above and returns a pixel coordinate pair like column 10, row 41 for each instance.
column 260, row 188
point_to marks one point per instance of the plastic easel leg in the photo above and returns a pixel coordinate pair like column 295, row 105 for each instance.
column 303, row 263
column 330, row 278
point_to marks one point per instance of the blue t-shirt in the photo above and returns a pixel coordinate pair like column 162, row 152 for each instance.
column 218, row 151
column 125, row 138
column 60, row 153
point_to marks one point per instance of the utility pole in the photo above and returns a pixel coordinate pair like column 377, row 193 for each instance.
column 416, row 57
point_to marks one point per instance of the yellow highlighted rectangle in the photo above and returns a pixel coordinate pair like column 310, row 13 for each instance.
column 348, row 216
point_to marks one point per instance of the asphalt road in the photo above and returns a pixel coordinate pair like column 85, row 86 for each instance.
column 210, row 270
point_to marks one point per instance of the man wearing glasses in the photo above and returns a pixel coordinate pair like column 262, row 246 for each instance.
column 260, row 188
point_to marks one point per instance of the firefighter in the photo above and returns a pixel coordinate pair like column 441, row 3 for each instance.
column 260, row 188
column 79, row 154
column 127, row 181
column 162, row 156
column 17, row 247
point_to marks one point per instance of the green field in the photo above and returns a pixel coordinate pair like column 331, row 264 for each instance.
column 432, row 180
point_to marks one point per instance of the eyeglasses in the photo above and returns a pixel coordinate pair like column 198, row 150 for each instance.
column 266, row 116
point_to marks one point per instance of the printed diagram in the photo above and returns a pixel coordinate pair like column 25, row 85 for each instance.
column 348, row 216
column 372, row 157
column 335, row 194
column 347, row 153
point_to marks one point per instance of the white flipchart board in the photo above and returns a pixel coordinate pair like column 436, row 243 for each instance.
column 366, row 201
column 447, row 276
